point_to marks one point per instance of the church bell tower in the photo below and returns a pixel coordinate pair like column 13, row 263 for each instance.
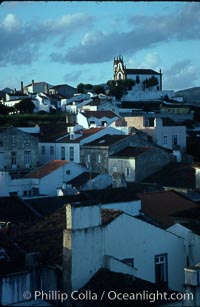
column 119, row 69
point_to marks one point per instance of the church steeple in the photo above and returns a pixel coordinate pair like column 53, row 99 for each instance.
column 119, row 68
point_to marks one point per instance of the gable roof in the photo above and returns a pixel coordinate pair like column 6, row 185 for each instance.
column 160, row 206
column 175, row 175
column 107, row 140
column 46, row 169
column 123, row 283
column 131, row 151
column 84, row 134
column 141, row 71
column 82, row 179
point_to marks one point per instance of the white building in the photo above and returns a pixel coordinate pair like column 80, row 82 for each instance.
column 163, row 131
column 109, row 238
column 43, row 181
column 68, row 147
column 89, row 119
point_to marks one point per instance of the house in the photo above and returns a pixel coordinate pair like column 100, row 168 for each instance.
column 63, row 89
column 36, row 87
column 89, row 119
column 136, row 163
column 18, row 151
column 94, row 155
column 46, row 179
column 164, row 132
column 85, row 181
column 181, row 177
column 20, row 269
column 43, row 102
column 64, row 144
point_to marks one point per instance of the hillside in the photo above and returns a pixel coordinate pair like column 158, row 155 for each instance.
column 191, row 95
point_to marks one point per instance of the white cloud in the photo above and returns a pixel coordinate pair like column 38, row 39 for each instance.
column 181, row 75
column 151, row 60
column 11, row 22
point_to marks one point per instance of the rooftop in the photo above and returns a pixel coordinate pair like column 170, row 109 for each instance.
column 82, row 179
column 107, row 140
column 175, row 175
column 160, row 206
column 46, row 169
column 141, row 71
column 122, row 283
column 133, row 151
column 99, row 114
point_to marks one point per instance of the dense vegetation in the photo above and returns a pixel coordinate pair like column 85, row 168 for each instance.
column 30, row 120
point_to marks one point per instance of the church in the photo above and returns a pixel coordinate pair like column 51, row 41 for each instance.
column 144, row 79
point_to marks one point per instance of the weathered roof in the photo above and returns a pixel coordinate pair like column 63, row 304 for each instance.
column 14, row 210
column 108, row 215
column 160, row 206
column 107, row 140
column 106, row 280
column 141, row 71
column 177, row 175
column 46, row 169
column 131, row 151
column 82, row 179
column 84, row 134
column 49, row 132
column 99, row 114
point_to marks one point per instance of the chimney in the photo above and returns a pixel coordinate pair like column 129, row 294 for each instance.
column 32, row 86
column 22, row 88
column 46, row 90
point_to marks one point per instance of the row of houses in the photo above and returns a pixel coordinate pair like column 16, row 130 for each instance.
column 69, row 240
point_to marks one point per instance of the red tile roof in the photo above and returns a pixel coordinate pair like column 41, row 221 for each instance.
column 159, row 206
column 46, row 169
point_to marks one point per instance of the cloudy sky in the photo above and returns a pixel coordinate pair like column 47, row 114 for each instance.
column 72, row 42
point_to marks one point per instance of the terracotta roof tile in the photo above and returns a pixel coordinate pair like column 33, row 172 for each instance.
column 160, row 206
column 46, row 169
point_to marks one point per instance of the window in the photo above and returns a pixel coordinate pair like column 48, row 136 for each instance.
column 27, row 158
column 165, row 140
column 43, row 150
column 27, row 142
column 127, row 171
column 51, row 150
column 114, row 169
column 99, row 158
column 1, row 159
column 62, row 153
column 71, row 153
column 13, row 159
column 13, row 140
column 88, row 158
column 174, row 139
column 161, row 268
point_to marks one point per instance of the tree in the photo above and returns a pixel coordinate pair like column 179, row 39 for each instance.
column 119, row 88
column 4, row 109
column 25, row 106
column 84, row 88
column 98, row 89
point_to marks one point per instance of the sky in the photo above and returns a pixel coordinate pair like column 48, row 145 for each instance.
column 76, row 41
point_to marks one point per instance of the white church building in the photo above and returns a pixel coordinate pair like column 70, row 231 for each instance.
column 147, row 82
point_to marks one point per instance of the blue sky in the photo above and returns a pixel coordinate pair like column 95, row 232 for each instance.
column 72, row 42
